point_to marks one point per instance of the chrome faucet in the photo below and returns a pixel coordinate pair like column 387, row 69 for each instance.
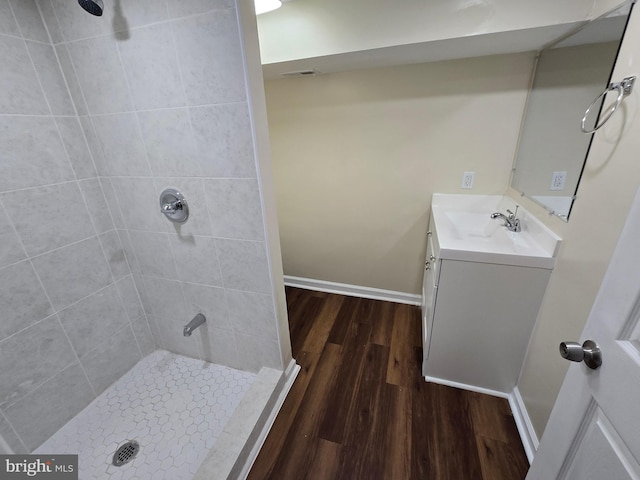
column 511, row 222
column 193, row 324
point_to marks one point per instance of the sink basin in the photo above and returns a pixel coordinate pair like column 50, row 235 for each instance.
column 465, row 231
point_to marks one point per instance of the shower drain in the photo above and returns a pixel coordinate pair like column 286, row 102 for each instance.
column 125, row 453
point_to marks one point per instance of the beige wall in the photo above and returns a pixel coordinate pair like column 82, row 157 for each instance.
column 357, row 155
column 609, row 183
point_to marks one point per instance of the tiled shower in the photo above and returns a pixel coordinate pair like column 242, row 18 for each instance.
column 97, row 116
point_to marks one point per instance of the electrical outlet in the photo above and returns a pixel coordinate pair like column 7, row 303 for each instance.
column 467, row 179
column 557, row 180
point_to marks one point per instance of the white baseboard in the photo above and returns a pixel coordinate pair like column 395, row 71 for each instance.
column 464, row 386
column 527, row 433
column 353, row 290
column 291, row 373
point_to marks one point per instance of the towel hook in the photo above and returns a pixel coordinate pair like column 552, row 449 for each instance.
column 624, row 88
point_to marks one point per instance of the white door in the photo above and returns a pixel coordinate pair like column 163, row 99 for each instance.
column 594, row 429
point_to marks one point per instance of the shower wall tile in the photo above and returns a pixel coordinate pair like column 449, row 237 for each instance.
column 100, row 74
column 97, row 205
column 114, row 357
column 138, row 280
column 210, row 301
column 132, row 260
column 196, row 259
column 74, row 142
column 193, row 190
column 8, row 433
column 185, row 8
column 75, row 23
column 122, row 146
column 244, row 265
column 42, row 220
column 153, row 252
column 32, row 152
column 72, row 79
column 167, row 300
column 92, row 320
column 143, row 335
column 115, row 254
column 252, row 314
column 211, row 58
column 170, row 330
column 8, row 25
column 73, row 272
column 130, row 300
column 151, row 66
column 11, row 250
column 29, row 20
column 112, row 203
column 139, row 204
column 51, row 78
column 223, row 139
column 155, row 331
column 170, row 143
column 23, row 300
column 50, row 20
column 160, row 104
column 235, row 208
column 20, row 91
column 142, row 12
column 35, row 355
column 255, row 352
column 36, row 417
column 219, row 346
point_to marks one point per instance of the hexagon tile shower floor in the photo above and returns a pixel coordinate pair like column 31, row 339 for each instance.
column 174, row 407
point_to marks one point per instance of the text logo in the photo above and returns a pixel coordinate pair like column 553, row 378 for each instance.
column 45, row 467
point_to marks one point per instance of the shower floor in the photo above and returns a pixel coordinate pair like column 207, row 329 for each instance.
column 174, row 407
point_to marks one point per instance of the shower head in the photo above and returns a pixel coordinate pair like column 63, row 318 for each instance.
column 94, row 7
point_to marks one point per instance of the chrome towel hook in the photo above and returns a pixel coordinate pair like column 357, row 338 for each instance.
column 624, row 88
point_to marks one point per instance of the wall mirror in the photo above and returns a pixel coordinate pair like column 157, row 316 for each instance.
column 569, row 75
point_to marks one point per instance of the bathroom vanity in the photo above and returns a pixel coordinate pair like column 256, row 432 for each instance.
column 482, row 289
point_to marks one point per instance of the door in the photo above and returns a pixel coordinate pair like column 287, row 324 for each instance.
column 594, row 428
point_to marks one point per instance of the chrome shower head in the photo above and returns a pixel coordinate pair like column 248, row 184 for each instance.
column 94, row 7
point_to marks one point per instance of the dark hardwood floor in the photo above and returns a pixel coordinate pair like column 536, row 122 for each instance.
column 360, row 408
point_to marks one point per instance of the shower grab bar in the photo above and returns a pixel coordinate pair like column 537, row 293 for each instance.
column 624, row 88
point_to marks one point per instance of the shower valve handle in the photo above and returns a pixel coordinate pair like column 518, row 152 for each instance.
column 172, row 207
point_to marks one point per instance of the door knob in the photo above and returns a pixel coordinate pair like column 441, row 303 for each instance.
column 589, row 351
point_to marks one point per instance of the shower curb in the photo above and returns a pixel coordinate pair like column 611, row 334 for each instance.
column 239, row 443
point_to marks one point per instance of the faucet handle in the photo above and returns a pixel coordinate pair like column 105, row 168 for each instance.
column 511, row 214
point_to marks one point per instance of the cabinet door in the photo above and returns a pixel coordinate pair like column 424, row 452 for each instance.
column 429, row 290
column 429, row 293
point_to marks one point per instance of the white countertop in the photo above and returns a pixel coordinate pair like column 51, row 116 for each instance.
column 465, row 231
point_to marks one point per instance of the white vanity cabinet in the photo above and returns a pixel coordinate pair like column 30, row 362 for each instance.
column 478, row 310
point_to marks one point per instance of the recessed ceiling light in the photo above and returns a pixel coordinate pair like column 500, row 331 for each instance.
column 264, row 6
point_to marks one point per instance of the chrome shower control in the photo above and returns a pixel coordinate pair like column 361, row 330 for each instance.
column 174, row 206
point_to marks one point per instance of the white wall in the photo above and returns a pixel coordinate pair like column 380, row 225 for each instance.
column 357, row 156
column 313, row 28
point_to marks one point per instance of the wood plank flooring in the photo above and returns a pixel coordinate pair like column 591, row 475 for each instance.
column 360, row 408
